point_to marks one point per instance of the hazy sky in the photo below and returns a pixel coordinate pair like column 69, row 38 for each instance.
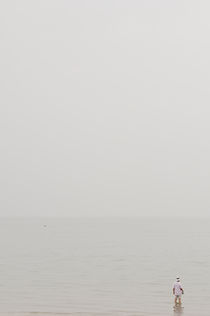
column 105, row 107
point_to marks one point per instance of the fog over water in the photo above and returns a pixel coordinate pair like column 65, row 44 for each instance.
column 105, row 151
column 104, row 108
column 103, row 267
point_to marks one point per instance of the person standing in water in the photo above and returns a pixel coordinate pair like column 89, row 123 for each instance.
column 178, row 291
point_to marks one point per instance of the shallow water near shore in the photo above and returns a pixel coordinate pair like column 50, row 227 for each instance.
column 107, row 266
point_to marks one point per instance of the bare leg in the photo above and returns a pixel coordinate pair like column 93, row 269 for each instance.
column 175, row 301
column 180, row 301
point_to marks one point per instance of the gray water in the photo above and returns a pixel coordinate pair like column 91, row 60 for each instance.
column 103, row 266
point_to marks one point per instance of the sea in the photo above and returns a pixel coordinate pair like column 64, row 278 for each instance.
column 103, row 266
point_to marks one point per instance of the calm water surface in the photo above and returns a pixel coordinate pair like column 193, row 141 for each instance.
column 103, row 266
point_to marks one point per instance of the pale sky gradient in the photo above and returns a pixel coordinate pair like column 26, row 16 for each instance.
column 105, row 107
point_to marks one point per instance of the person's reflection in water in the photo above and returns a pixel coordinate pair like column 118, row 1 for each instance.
column 178, row 310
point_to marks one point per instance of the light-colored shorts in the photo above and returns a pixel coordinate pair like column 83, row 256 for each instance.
column 178, row 296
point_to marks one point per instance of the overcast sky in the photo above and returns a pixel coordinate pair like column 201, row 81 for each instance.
column 105, row 107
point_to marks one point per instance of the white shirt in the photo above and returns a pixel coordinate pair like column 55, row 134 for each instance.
column 177, row 288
